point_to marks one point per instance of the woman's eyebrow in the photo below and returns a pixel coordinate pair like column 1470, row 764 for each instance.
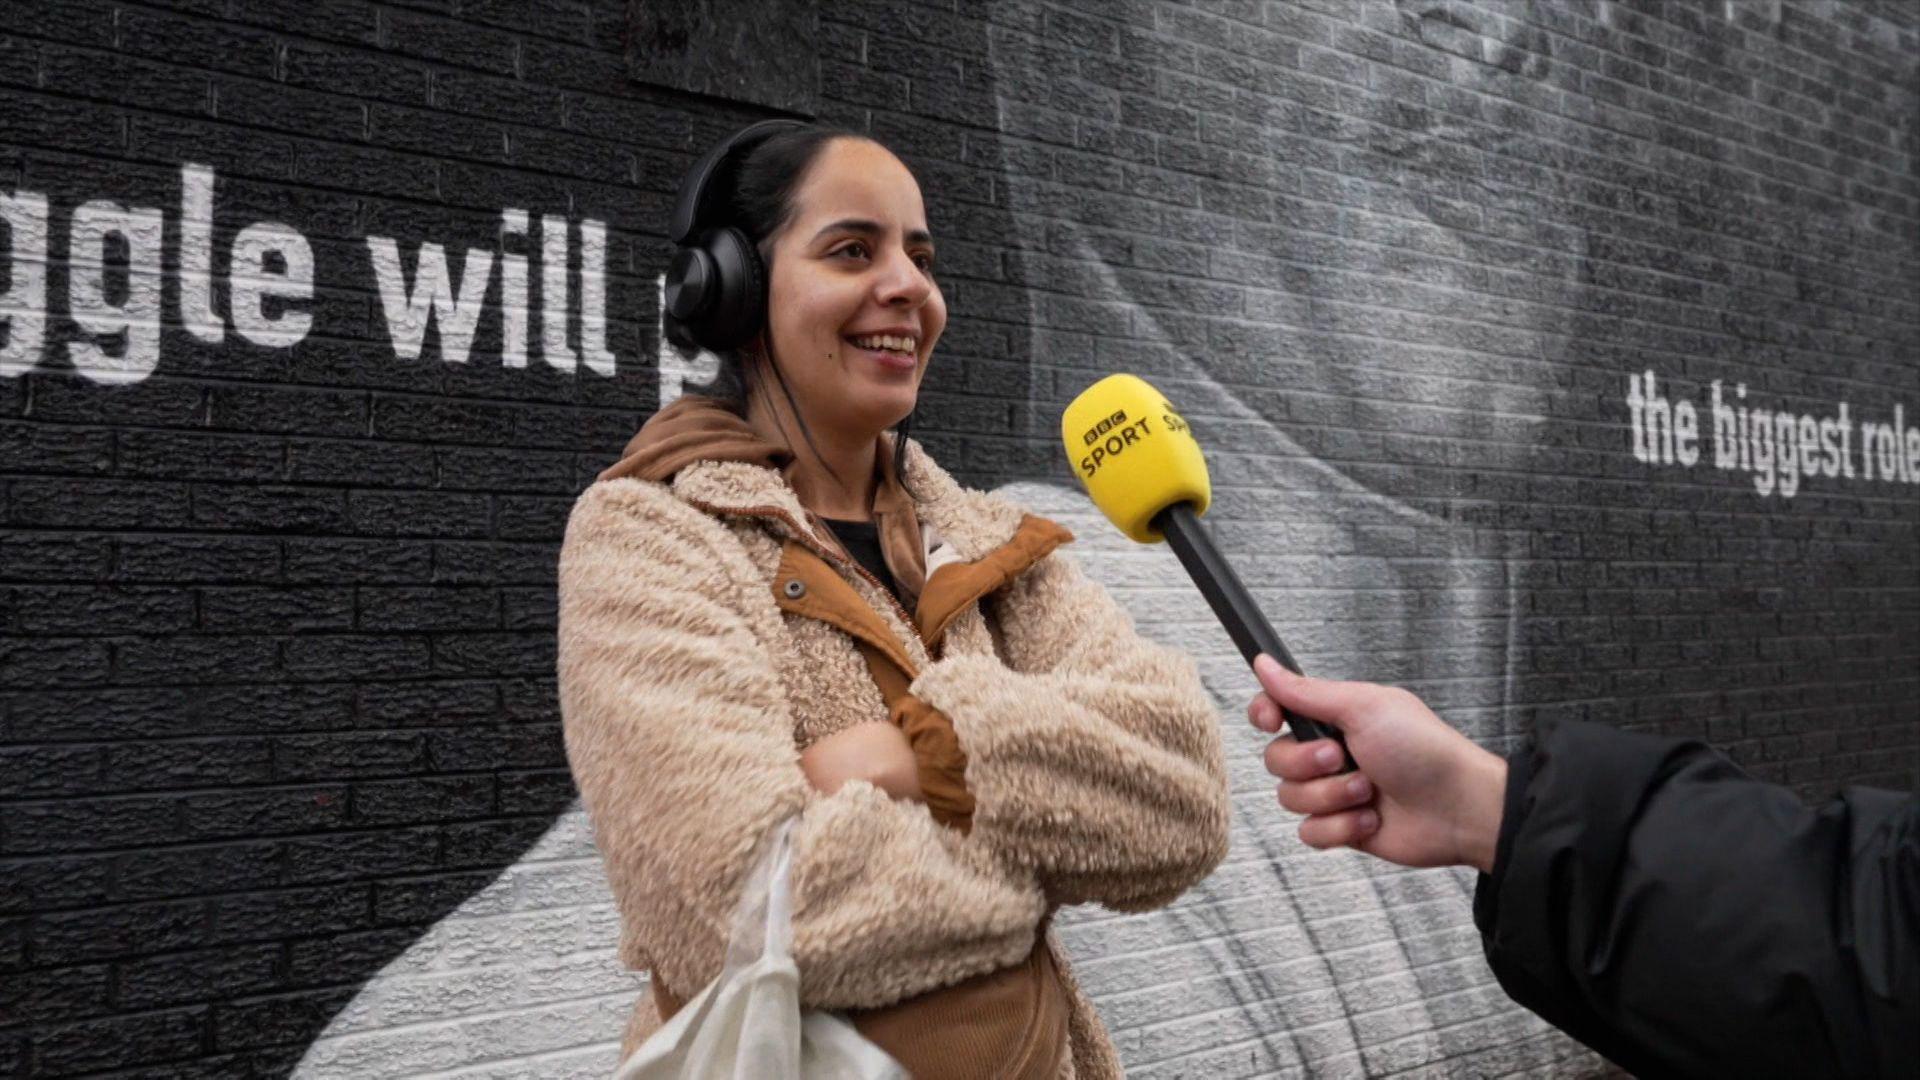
column 867, row 228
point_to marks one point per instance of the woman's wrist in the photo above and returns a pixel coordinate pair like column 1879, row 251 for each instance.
column 876, row 752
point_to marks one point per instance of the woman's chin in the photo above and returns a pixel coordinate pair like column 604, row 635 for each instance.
column 881, row 400
column 882, row 408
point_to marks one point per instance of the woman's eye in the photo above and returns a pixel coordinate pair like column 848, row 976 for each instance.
column 924, row 260
column 856, row 249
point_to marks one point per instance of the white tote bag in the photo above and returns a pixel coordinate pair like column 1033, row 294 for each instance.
column 747, row 1025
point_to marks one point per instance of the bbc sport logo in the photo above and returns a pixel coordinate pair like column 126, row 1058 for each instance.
column 1105, row 426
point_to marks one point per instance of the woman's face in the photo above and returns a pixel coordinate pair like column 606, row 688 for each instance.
column 852, row 306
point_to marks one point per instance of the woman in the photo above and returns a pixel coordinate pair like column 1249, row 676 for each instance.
column 775, row 606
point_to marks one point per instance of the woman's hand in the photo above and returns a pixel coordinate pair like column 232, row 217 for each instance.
column 876, row 752
column 1424, row 794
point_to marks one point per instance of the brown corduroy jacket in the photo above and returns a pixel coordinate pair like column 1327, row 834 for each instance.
column 693, row 672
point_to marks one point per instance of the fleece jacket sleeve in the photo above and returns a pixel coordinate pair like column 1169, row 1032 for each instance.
column 1093, row 754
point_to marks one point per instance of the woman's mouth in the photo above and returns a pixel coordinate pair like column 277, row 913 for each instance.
column 890, row 350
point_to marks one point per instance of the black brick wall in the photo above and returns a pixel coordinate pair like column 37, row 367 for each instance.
column 276, row 623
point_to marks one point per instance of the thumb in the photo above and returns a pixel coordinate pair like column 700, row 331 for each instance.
column 1325, row 700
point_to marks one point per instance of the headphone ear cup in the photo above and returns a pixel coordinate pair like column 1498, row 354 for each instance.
column 739, row 290
column 690, row 284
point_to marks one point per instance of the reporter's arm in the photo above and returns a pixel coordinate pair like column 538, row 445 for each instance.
column 1645, row 895
column 1685, row 919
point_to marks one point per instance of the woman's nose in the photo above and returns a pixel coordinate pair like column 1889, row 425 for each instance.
column 902, row 284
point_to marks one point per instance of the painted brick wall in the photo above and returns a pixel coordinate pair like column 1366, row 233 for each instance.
column 281, row 788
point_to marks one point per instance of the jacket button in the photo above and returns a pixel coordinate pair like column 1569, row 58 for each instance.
column 795, row 589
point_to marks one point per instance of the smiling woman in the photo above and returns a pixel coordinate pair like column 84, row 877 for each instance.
column 776, row 607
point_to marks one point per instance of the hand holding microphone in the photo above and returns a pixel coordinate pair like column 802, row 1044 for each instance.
column 1425, row 795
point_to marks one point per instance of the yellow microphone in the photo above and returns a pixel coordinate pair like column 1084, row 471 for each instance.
column 1139, row 462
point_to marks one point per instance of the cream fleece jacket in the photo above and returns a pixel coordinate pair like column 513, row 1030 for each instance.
column 687, row 694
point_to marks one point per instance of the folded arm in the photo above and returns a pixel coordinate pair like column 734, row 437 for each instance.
column 1093, row 755
column 681, row 741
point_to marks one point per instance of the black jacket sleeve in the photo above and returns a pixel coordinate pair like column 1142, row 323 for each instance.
column 1684, row 919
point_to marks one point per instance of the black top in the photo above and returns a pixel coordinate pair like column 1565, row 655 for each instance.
column 862, row 541
column 1684, row 919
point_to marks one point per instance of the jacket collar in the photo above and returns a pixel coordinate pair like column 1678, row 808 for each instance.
column 971, row 523
column 974, row 543
column 697, row 429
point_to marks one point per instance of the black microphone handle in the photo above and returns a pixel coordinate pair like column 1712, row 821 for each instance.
column 1234, row 606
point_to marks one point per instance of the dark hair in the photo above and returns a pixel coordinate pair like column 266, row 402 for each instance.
column 757, row 199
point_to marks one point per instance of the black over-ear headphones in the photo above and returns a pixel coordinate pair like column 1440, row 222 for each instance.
column 717, row 283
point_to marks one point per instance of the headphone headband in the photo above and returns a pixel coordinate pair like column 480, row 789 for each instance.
column 694, row 207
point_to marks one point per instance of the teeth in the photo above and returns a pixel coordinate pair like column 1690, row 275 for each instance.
column 886, row 341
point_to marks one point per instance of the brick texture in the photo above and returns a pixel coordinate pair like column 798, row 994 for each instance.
column 281, row 788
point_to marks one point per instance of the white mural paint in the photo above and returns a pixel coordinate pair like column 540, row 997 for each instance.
column 23, row 307
column 456, row 304
column 257, row 248
column 271, row 262
column 135, row 320
column 196, row 256
column 433, row 299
